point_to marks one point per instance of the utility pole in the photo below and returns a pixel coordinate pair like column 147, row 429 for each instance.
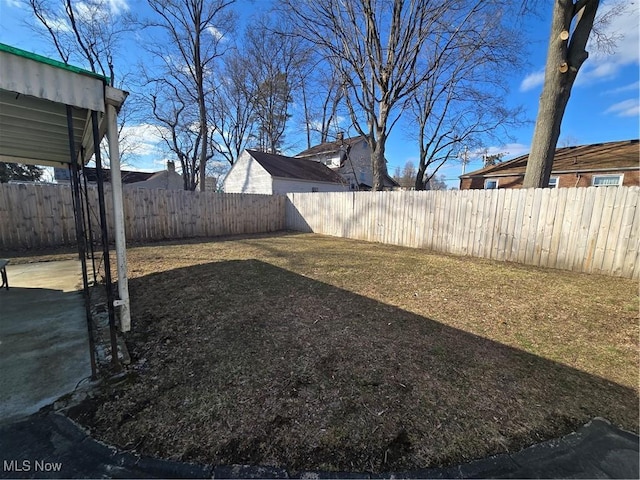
column 465, row 158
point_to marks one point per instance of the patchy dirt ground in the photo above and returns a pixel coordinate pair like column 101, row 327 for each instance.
column 311, row 352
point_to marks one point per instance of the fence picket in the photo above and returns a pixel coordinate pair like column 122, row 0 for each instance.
column 583, row 229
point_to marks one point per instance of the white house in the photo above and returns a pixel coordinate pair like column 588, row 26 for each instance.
column 267, row 173
column 350, row 158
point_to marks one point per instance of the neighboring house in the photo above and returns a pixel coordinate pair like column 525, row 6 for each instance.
column 211, row 184
column 167, row 179
column 350, row 158
column 267, row 173
column 600, row 164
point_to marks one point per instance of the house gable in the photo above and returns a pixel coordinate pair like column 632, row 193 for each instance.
column 166, row 180
column 266, row 173
column 247, row 176
column 356, row 171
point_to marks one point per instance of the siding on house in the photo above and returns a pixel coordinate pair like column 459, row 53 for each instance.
column 282, row 186
column 630, row 178
column 247, row 176
column 266, row 173
column 356, row 170
column 572, row 167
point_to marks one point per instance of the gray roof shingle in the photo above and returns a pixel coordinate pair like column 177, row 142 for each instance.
column 296, row 168
column 329, row 147
column 597, row 156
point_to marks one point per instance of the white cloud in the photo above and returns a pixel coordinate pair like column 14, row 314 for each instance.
column 214, row 32
column 142, row 139
column 115, row 7
column 13, row 3
column 626, row 108
column 632, row 87
column 118, row 7
column 58, row 24
column 98, row 11
column 532, row 81
column 101, row 10
column 338, row 123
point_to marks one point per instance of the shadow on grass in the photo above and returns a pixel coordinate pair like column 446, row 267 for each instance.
column 244, row 362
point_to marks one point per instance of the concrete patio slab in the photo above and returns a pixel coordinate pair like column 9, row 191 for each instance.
column 44, row 345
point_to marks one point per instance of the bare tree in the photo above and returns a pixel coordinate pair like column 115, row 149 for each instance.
column 271, row 111
column 191, row 35
column 322, row 92
column 571, row 25
column 406, row 177
column 274, row 62
column 232, row 108
column 462, row 100
column 178, row 128
column 87, row 31
column 375, row 46
column 437, row 182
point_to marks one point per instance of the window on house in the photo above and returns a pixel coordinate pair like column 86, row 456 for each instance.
column 553, row 182
column 490, row 184
column 314, row 189
column 606, row 180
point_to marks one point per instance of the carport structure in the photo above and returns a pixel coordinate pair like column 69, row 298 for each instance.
column 54, row 114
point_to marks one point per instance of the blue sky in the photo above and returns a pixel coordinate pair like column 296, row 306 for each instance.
column 604, row 104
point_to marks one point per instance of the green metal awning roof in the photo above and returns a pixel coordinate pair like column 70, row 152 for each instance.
column 50, row 61
column 34, row 94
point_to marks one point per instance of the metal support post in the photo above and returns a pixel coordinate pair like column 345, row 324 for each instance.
column 80, row 238
column 105, row 242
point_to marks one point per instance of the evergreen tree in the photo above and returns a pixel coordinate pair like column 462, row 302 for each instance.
column 18, row 171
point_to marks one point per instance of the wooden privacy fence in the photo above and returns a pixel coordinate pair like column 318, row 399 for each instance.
column 583, row 229
column 594, row 230
column 41, row 215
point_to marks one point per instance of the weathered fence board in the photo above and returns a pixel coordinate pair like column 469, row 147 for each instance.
column 41, row 215
column 583, row 229
column 593, row 230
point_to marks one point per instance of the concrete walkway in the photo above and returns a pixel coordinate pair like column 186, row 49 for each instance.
column 44, row 345
column 49, row 445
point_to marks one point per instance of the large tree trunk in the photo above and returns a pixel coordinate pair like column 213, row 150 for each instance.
column 420, row 183
column 378, row 163
column 205, row 146
column 202, row 113
column 565, row 56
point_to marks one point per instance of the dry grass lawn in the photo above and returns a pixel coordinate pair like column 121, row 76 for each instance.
column 311, row 352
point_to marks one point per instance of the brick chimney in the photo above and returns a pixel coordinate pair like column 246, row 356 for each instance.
column 171, row 166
